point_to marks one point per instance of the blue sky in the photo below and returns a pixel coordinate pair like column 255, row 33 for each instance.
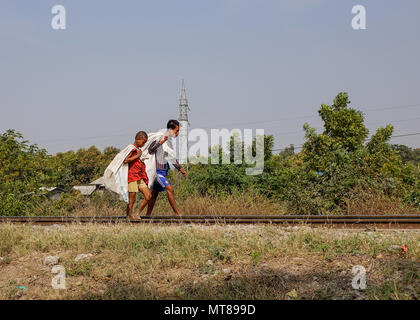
column 269, row 64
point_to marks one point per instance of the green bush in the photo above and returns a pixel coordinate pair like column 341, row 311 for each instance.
column 23, row 170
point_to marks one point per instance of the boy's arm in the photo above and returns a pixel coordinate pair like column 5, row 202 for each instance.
column 156, row 144
column 178, row 166
column 133, row 156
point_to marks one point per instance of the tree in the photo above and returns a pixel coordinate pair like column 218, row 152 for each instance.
column 268, row 146
column 343, row 129
column 81, row 167
column 408, row 154
column 287, row 152
column 339, row 164
column 23, row 170
column 343, row 125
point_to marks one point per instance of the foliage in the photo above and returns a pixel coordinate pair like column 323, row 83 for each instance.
column 80, row 167
column 287, row 152
column 24, row 168
column 337, row 163
column 335, row 168
column 408, row 154
column 22, row 171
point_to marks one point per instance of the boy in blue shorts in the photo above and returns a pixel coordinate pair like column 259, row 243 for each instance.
column 162, row 167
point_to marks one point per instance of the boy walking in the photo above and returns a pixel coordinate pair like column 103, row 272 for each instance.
column 137, row 177
column 162, row 167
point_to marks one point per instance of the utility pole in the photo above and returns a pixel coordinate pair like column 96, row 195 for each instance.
column 183, row 126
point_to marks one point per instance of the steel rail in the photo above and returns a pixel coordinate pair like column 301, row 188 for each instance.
column 411, row 221
column 271, row 217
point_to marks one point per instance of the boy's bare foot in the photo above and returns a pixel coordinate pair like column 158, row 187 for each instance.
column 128, row 218
column 136, row 217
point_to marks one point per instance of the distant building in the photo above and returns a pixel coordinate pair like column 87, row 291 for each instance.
column 99, row 184
column 85, row 190
column 53, row 193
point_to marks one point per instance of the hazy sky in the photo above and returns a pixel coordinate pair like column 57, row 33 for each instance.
column 270, row 64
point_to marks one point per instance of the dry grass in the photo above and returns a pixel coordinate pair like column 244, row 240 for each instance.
column 207, row 262
column 241, row 204
column 248, row 203
column 372, row 203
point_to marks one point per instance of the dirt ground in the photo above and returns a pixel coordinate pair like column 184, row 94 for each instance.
column 207, row 262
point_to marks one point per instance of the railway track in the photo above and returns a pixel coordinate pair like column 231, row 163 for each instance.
column 376, row 221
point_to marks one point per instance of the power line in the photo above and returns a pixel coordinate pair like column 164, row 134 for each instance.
column 406, row 135
column 394, row 107
column 308, row 116
column 395, row 136
column 122, row 132
column 367, row 124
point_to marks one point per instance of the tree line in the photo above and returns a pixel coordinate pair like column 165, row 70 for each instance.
column 335, row 166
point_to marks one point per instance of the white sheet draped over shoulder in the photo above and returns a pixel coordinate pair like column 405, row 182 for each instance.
column 116, row 174
column 150, row 159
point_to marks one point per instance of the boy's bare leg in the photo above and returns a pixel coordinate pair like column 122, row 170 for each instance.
column 147, row 196
column 131, row 201
column 151, row 203
column 171, row 198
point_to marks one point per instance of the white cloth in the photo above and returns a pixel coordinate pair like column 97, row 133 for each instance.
column 150, row 159
column 116, row 174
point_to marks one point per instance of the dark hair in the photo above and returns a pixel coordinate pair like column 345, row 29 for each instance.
column 172, row 124
column 141, row 135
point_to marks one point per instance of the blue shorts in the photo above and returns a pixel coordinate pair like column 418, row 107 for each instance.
column 161, row 183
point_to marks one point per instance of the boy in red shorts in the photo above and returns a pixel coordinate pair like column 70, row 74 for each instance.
column 137, row 177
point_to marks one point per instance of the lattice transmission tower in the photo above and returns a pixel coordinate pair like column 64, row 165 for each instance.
column 183, row 125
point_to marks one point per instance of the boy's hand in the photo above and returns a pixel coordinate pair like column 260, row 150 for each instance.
column 164, row 138
column 133, row 157
column 183, row 171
